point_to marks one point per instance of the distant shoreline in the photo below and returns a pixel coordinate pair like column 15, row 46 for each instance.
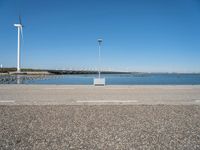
column 28, row 71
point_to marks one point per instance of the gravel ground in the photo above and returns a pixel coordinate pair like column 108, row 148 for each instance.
column 100, row 127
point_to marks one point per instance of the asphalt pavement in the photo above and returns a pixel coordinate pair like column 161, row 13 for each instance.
column 100, row 127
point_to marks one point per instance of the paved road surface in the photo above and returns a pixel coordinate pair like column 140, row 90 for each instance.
column 90, row 95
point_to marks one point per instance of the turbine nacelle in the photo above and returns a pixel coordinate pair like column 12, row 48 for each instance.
column 17, row 25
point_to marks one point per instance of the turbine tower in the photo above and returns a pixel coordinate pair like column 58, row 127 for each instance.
column 20, row 31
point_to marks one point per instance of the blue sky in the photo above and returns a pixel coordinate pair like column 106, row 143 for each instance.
column 139, row 35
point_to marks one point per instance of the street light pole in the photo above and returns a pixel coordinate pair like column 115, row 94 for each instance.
column 99, row 81
column 100, row 42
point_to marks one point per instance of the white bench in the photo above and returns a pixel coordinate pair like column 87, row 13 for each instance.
column 99, row 81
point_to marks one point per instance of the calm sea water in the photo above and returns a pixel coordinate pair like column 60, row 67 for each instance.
column 111, row 79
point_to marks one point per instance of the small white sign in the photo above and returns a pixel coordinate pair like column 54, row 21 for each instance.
column 99, row 81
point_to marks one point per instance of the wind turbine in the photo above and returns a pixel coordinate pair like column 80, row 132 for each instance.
column 20, row 31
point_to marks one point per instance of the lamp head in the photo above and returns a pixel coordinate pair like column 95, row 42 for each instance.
column 100, row 41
